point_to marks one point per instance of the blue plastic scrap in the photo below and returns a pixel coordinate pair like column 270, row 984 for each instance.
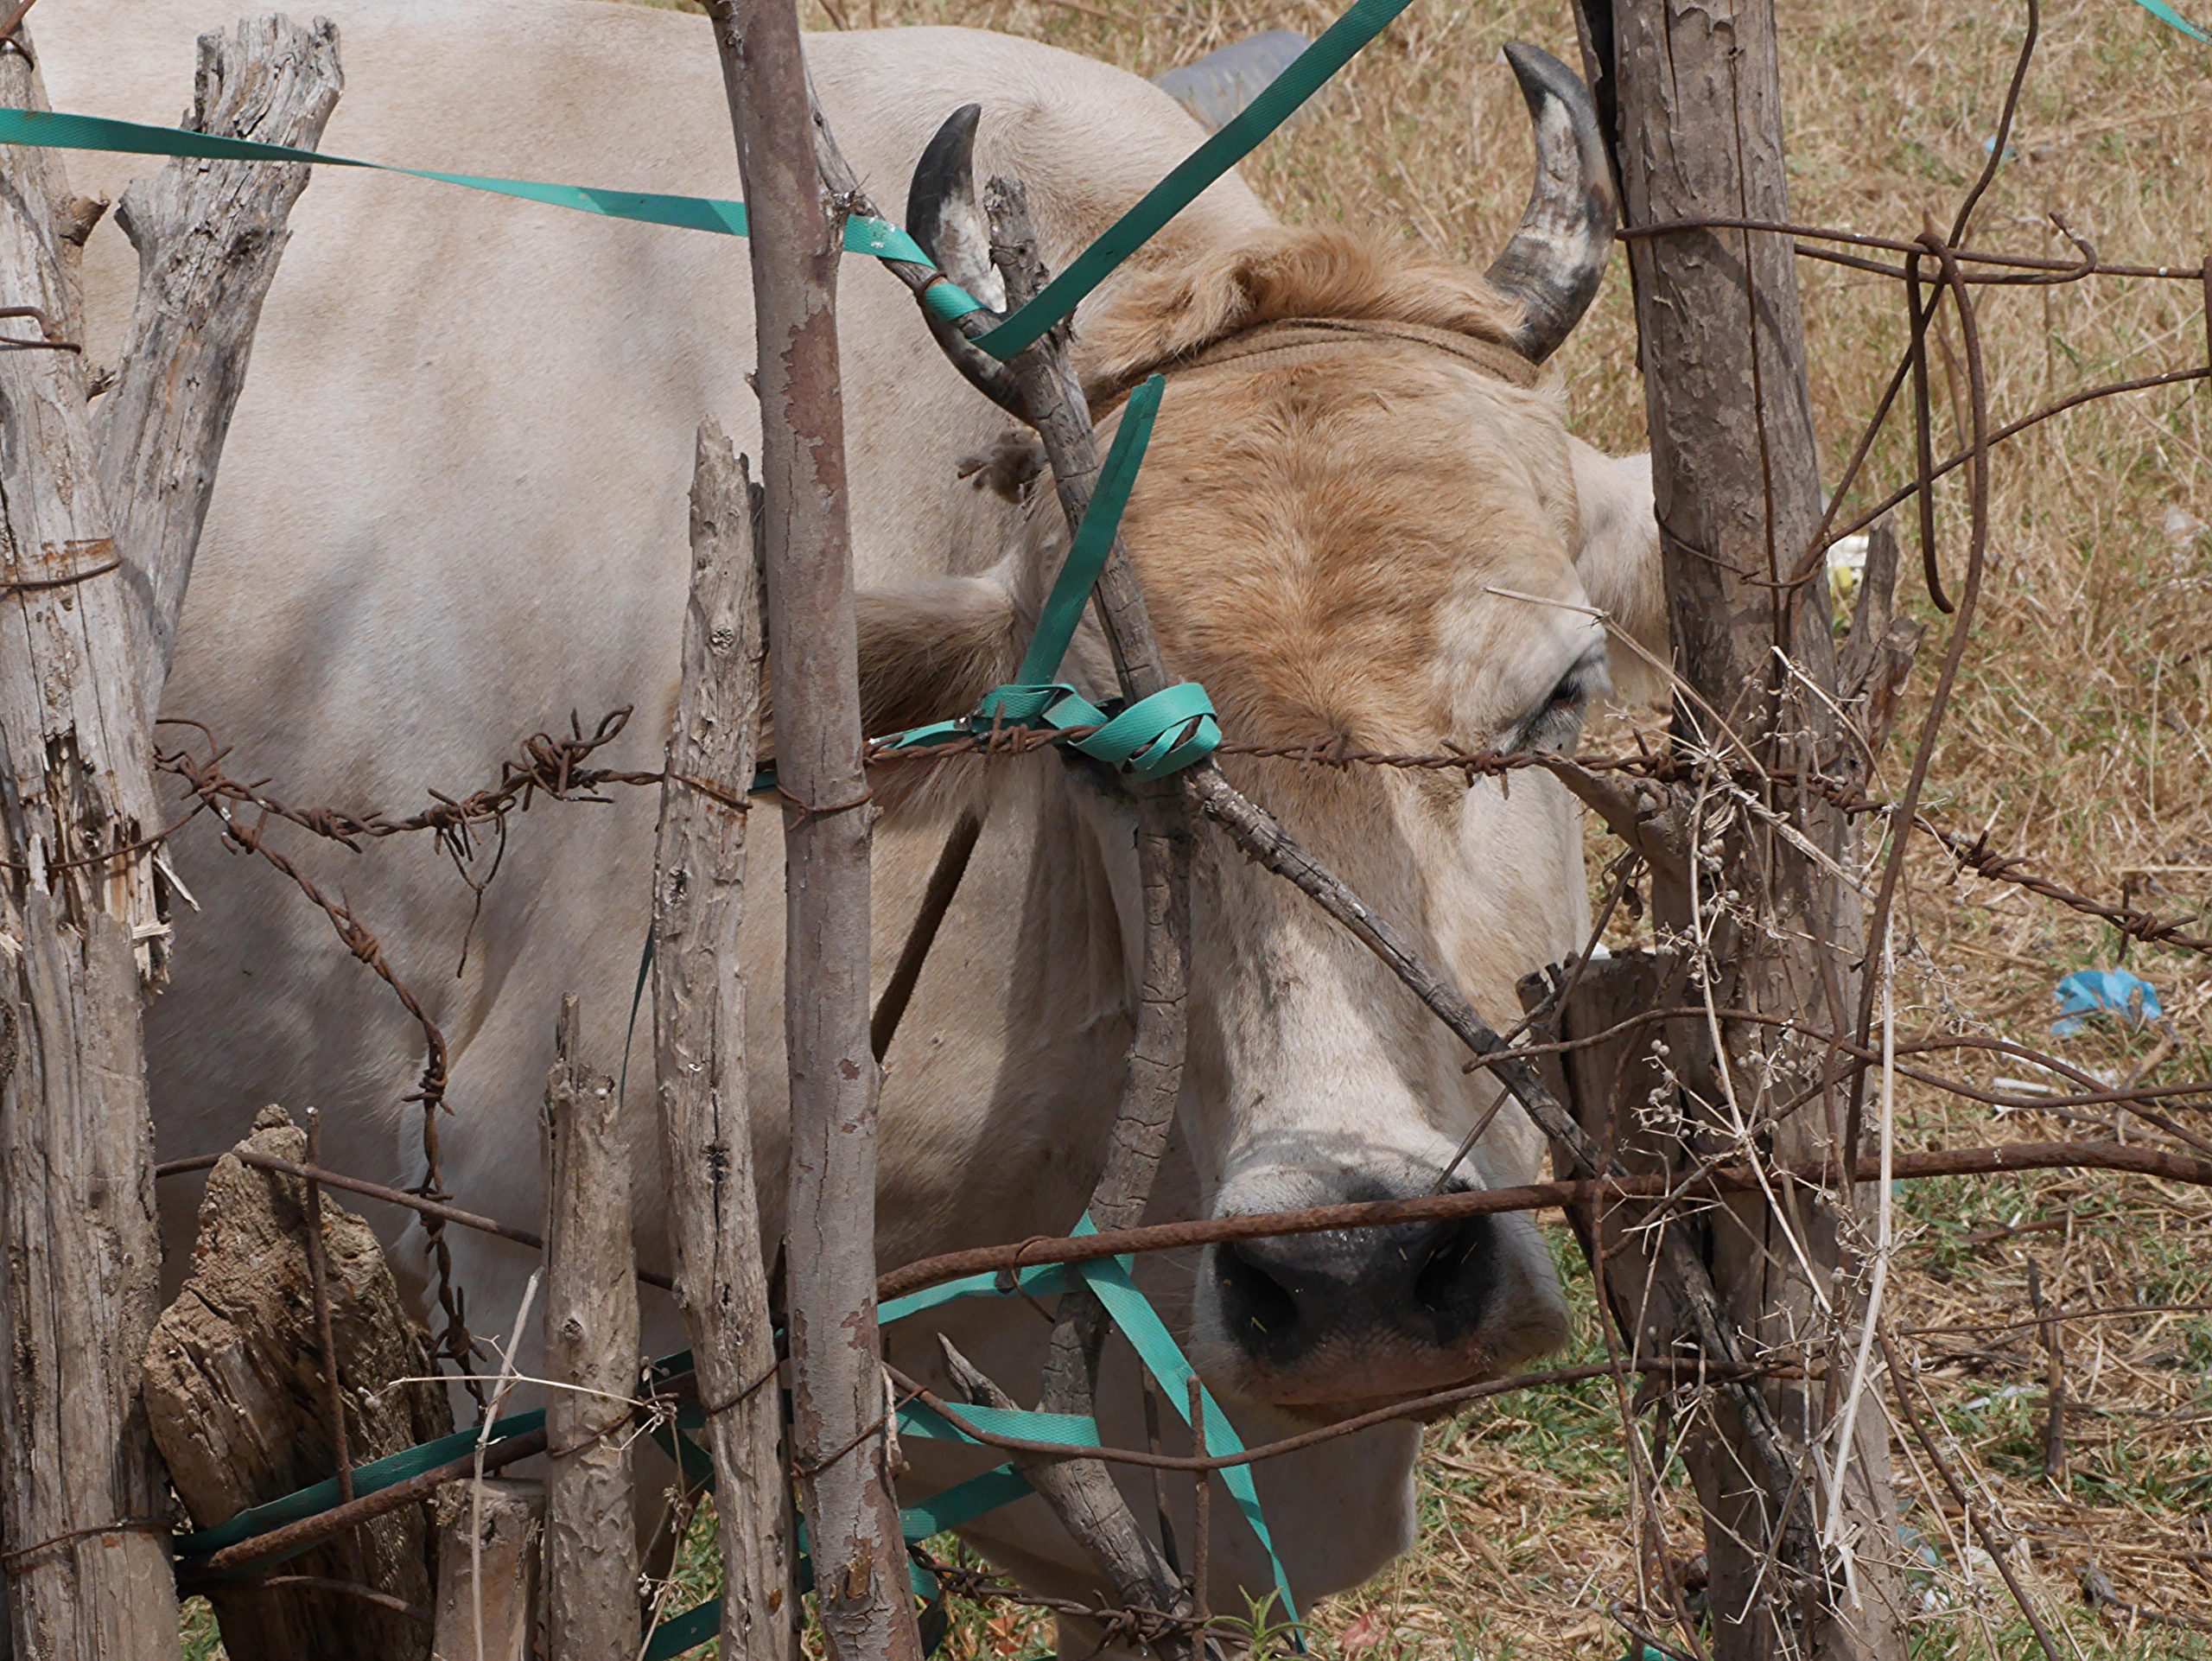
column 2087, row 992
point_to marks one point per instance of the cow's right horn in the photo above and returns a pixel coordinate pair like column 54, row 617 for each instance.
column 1557, row 258
column 944, row 215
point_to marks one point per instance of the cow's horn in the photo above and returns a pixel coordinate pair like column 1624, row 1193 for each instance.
column 1556, row 259
column 943, row 214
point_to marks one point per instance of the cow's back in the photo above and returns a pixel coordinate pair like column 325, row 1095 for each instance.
column 452, row 507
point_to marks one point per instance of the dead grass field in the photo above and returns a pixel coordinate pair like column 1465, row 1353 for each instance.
column 2079, row 733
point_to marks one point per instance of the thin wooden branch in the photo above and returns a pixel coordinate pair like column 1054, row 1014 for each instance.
column 591, row 1357
column 208, row 235
column 1081, row 1493
column 705, row 1136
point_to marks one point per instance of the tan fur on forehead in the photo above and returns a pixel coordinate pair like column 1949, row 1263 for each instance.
column 1318, row 539
column 1284, row 273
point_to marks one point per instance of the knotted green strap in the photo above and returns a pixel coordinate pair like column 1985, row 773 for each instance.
column 1174, row 727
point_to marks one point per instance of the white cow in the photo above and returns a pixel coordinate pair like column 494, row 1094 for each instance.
column 452, row 511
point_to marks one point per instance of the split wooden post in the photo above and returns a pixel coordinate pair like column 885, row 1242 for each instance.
column 208, row 235
column 706, row 1138
column 487, row 1570
column 81, row 1499
column 81, row 1489
column 1799, row 1568
column 234, row 1391
column 591, row 1359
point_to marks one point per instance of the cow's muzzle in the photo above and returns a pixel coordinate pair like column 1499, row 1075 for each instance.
column 1350, row 1318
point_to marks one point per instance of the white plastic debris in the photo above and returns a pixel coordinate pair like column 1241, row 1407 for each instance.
column 1847, row 570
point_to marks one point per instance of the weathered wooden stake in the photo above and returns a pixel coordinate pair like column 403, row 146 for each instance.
column 487, row 1570
column 82, row 1503
column 1696, row 93
column 234, row 1390
column 838, row 1394
column 208, row 235
column 591, row 1359
column 706, row 1138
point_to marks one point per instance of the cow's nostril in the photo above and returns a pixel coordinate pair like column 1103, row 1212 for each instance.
column 1260, row 1308
column 1454, row 1279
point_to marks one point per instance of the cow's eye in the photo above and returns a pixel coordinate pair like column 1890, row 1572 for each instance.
column 1557, row 723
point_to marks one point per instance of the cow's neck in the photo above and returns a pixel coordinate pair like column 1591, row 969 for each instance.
column 1003, row 1078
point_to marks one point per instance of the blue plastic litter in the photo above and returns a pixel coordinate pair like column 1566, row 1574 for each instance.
column 2087, row 992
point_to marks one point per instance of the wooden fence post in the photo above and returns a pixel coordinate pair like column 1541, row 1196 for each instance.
column 487, row 1570
column 82, row 1503
column 209, row 236
column 838, row 1391
column 234, row 1390
column 699, row 1052
column 1695, row 91
column 591, row 1357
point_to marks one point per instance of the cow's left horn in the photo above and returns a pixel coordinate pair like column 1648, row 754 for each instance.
column 944, row 215
column 1556, row 259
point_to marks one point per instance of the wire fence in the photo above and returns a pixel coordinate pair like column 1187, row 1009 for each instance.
column 1706, row 777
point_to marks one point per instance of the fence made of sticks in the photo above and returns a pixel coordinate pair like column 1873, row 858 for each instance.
column 1719, row 1108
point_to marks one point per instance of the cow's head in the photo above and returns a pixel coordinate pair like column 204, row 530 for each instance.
column 1361, row 524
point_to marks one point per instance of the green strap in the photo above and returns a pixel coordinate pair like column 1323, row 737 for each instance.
column 1163, row 1359
column 372, row 1477
column 1094, row 537
column 55, row 130
column 1174, row 727
column 1282, row 97
column 2166, row 15
column 919, row 1419
column 1045, row 1281
column 1276, row 103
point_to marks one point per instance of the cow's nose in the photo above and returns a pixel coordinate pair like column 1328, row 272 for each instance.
column 1425, row 1286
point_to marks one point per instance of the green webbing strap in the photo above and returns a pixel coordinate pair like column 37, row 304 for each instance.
column 946, row 299
column 701, row 1624
column 1065, row 1429
column 1094, row 537
column 1154, row 736
column 1046, row 1280
column 372, row 1477
column 1224, row 150
column 2166, row 15
column 58, row 130
column 1163, row 1359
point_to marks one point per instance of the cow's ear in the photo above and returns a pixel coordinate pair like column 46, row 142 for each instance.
column 1620, row 564
column 929, row 650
